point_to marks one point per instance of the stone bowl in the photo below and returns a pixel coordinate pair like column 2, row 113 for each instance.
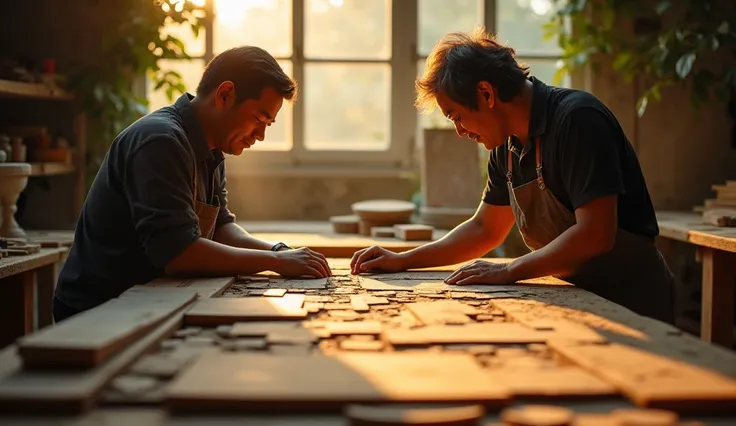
column 384, row 211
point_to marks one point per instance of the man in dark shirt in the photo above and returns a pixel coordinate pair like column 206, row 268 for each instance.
column 158, row 205
column 560, row 167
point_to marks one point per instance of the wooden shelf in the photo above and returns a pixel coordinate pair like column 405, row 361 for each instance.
column 51, row 169
column 19, row 89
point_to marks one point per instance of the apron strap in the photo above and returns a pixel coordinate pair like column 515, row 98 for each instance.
column 538, row 157
column 508, row 164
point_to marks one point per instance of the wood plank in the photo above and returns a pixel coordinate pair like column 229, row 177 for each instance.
column 551, row 382
column 205, row 287
column 251, row 381
column 90, row 338
column 719, row 291
column 338, row 245
column 46, row 277
column 70, row 391
column 484, row 333
column 18, row 264
column 22, row 89
column 439, row 285
column 223, row 311
column 651, row 380
column 442, row 312
column 689, row 227
column 17, row 307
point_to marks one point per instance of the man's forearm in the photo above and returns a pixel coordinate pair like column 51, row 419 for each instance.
column 467, row 241
column 206, row 257
column 562, row 256
column 234, row 235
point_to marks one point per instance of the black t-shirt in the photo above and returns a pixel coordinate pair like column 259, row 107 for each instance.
column 585, row 155
column 139, row 213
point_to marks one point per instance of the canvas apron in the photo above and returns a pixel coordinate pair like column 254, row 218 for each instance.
column 634, row 274
column 206, row 213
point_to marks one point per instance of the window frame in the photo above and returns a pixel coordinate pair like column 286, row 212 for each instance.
column 405, row 124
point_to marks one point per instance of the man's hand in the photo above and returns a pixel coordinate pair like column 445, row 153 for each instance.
column 480, row 272
column 375, row 258
column 301, row 262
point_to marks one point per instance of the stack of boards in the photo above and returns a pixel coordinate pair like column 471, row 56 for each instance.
column 720, row 211
column 64, row 368
column 17, row 247
column 382, row 219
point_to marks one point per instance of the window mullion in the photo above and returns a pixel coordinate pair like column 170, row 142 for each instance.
column 489, row 15
column 297, row 37
column 209, row 31
column 403, row 115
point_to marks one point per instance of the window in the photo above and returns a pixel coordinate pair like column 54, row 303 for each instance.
column 355, row 62
column 516, row 22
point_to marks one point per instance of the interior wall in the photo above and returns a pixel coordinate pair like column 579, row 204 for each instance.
column 682, row 151
column 308, row 198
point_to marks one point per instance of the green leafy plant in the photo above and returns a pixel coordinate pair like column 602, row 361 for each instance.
column 687, row 42
column 131, row 48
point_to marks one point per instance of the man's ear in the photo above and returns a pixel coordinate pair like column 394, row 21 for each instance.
column 486, row 95
column 225, row 95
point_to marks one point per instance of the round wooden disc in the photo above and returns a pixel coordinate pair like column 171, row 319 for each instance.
column 538, row 415
column 370, row 415
column 645, row 417
column 384, row 211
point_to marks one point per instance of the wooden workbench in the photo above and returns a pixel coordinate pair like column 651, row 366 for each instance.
column 27, row 284
column 419, row 321
column 717, row 250
column 318, row 236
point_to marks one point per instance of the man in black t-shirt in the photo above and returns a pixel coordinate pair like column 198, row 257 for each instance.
column 560, row 167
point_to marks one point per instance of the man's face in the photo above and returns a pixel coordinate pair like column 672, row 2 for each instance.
column 485, row 125
column 245, row 123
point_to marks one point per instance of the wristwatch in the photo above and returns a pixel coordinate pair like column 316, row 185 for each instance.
column 279, row 246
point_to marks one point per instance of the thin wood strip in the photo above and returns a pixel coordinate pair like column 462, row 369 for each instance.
column 76, row 391
column 91, row 337
column 651, row 380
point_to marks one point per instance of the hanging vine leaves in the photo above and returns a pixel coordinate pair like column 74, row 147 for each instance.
column 673, row 43
column 131, row 48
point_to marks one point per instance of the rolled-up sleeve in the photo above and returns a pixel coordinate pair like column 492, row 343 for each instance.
column 159, row 187
column 224, row 215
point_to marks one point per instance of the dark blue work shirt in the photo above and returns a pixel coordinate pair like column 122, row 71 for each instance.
column 139, row 213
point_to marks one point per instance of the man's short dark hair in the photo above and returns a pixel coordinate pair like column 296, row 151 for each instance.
column 460, row 61
column 251, row 69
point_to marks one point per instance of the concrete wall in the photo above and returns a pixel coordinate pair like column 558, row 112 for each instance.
column 310, row 197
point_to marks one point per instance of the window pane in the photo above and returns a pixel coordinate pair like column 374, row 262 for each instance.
column 439, row 17
column 194, row 45
column 520, row 25
column 544, row 70
column 262, row 23
column 191, row 72
column 434, row 120
column 346, row 106
column 279, row 135
column 347, row 29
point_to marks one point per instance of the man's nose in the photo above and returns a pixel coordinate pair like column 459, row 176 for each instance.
column 260, row 132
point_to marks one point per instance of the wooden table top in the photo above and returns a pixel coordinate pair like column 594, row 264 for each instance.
column 689, row 227
column 13, row 265
column 316, row 235
column 467, row 337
